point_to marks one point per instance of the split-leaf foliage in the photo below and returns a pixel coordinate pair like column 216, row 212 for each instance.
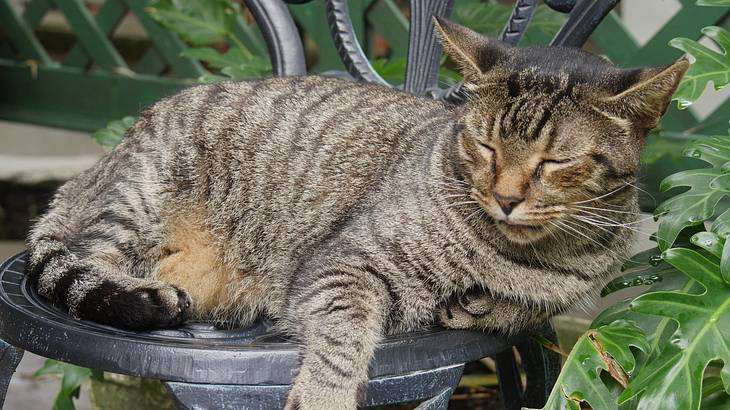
column 676, row 351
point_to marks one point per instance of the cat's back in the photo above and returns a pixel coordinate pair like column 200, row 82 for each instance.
column 281, row 161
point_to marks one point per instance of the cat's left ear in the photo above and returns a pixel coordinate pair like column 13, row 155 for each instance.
column 473, row 53
column 646, row 100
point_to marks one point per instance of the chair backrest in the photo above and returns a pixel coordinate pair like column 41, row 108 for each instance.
column 424, row 51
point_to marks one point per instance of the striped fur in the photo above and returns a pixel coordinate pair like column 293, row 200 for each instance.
column 348, row 211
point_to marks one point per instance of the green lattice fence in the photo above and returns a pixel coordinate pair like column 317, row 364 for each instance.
column 614, row 40
column 94, row 81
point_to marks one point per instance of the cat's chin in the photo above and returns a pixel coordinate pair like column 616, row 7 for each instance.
column 522, row 234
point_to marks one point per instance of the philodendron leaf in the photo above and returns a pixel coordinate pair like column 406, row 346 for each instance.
column 615, row 340
column 199, row 23
column 710, row 242
column 236, row 63
column 112, row 135
column 721, row 227
column 707, row 187
column 713, row 394
column 606, row 349
column 663, row 277
column 673, row 380
column 708, row 66
column 73, row 377
column 643, row 269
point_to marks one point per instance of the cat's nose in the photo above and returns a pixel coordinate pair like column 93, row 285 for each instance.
column 507, row 203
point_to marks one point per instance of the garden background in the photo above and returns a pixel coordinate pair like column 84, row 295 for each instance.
column 70, row 78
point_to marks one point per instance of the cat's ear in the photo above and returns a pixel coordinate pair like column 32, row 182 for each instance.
column 473, row 53
column 648, row 96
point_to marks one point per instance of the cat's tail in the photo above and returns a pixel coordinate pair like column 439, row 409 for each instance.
column 89, row 281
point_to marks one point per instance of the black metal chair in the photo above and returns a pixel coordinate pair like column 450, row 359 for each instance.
column 253, row 368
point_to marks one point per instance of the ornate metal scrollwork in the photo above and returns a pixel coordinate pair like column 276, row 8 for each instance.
column 424, row 51
column 281, row 36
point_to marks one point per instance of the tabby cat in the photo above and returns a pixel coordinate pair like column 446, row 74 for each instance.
column 348, row 211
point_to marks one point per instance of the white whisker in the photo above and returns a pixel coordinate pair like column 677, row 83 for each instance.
column 564, row 224
column 455, row 204
column 458, row 181
column 456, row 196
column 480, row 209
column 595, row 223
column 604, row 209
column 612, row 222
column 644, row 191
column 602, row 196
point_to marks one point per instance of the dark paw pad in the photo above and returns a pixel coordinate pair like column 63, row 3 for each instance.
column 163, row 306
column 150, row 305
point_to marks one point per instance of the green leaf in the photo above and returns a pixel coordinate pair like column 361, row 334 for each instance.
column 199, row 23
column 708, row 65
column 673, row 380
column 392, row 70
column 50, row 366
column 617, row 337
column 112, row 135
column 713, row 394
column 657, row 329
column 212, row 56
column 606, row 349
column 235, row 63
column 716, row 401
column 707, row 187
column 257, row 67
column 487, row 18
column 721, row 225
column 212, row 78
column 716, row 3
column 643, row 269
column 73, row 377
column 204, row 23
column 721, row 228
column 658, row 146
column 710, row 242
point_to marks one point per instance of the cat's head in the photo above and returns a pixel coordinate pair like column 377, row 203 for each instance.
column 550, row 131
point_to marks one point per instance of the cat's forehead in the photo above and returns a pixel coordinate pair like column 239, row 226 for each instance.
column 531, row 106
column 544, row 71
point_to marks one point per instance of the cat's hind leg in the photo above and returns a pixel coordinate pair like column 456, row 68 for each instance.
column 98, row 266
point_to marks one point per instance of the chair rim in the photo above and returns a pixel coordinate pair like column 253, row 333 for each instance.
column 197, row 354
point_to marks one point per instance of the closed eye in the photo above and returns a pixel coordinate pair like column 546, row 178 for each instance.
column 483, row 145
column 541, row 165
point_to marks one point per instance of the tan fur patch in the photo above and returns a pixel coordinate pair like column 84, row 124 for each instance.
column 194, row 262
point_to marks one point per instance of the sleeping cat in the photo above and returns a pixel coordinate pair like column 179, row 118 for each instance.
column 348, row 211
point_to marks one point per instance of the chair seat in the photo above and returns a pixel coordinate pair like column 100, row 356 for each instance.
column 200, row 353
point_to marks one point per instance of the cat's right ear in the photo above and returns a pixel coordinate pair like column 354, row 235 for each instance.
column 473, row 53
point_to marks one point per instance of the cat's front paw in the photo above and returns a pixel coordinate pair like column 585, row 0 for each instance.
column 466, row 311
column 477, row 302
column 309, row 394
column 453, row 316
